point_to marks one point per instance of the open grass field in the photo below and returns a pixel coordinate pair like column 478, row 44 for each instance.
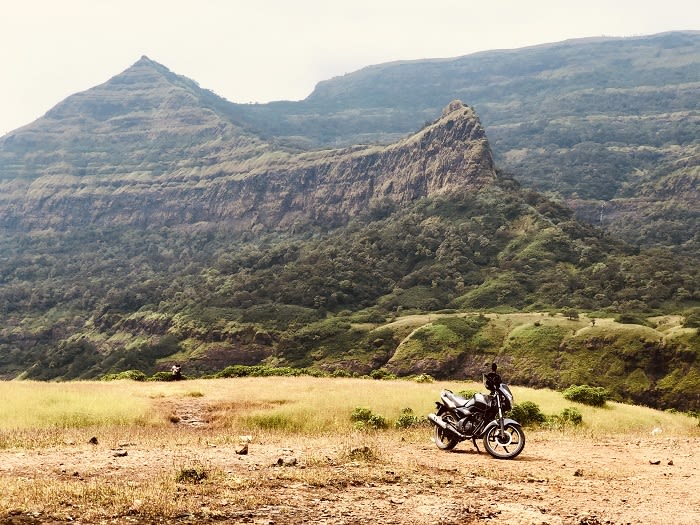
column 285, row 450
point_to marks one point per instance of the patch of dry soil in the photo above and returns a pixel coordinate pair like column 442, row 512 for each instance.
column 556, row 480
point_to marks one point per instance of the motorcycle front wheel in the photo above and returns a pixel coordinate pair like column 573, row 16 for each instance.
column 506, row 444
column 444, row 440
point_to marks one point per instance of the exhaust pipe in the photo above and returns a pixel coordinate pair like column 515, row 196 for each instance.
column 438, row 421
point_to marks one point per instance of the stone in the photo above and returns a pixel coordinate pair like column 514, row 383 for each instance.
column 287, row 461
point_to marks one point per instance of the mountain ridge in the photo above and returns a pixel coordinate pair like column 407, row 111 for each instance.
column 209, row 170
column 579, row 120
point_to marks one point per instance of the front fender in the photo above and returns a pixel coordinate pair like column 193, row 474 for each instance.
column 506, row 421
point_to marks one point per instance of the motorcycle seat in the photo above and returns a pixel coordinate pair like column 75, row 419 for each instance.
column 457, row 401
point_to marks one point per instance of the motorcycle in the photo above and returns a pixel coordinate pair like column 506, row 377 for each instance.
column 458, row 419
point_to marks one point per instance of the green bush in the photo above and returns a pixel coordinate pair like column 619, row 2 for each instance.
column 594, row 396
column 424, row 378
column 382, row 373
column 368, row 317
column 163, row 376
column 361, row 414
column 631, row 319
column 527, row 413
column 568, row 416
column 364, row 418
column 134, row 375
column 466, row 394
column 266, row 371
column 408, row 419
column 377, row 422
column 571, row 415
column 692, row 319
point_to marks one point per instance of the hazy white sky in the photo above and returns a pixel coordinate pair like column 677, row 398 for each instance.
column 262, row 50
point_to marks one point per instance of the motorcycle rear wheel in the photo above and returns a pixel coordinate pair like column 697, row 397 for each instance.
column 444, row 440
column 507, row 445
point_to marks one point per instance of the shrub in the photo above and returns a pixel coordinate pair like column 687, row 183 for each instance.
column 568, row 416
column 266, row 371
column 377, row 422
column 382, row 373
column 408, row 419
column 133, row 375
column 368, row 317
column 527, row 413
column 692, row 320
column 570, row 314
column 424, row 378
column 631, row 319
column 594, row 396
column 191, row 475
column 364, row 418
column 360, row 414
column 571, row 415
column 466, row 394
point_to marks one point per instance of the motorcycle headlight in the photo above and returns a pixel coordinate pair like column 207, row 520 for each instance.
column 507, row 403
column 507, row 397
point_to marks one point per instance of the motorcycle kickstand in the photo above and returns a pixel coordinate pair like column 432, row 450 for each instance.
column 476, row 446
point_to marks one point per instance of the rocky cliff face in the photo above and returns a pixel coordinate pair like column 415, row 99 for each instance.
column 149, row 149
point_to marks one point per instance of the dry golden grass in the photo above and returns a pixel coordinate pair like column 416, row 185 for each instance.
column 296, row 405
column 181, row 439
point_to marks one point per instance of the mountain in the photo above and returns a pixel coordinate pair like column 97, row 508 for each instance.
column 147, row 221
column 150, row 149
column 606, row 125
column 599, row 123
column 100, row 155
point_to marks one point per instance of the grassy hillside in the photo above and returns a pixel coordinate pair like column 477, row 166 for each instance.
column 86, row 303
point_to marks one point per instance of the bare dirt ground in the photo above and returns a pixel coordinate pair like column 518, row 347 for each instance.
column 382, row 478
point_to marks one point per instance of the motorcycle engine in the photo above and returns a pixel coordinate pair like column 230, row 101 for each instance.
column 467, row 426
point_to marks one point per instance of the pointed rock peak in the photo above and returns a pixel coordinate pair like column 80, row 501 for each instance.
column 455, row 105
column 146, row 73
column 142, row 87
column 457, row 109
column 144, row 61
column 458, row 122
column 458, row 144
column 146, row 64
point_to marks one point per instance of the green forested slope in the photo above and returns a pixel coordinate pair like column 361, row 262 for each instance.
column 81, row 304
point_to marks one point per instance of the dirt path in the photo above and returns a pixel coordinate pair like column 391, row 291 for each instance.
column 403, row 481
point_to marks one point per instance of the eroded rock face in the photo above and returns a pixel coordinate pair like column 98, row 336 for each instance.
column 151, row 149
column 452, row 154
